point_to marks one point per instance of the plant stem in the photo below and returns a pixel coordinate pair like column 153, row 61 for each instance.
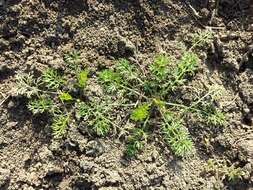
column 180, row 105
column 202, row 98
column 134, row 91
column 102, row 116
column 124, row 105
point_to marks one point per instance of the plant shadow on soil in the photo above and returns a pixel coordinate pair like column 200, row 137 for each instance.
column 5, row 73
column 19, row 113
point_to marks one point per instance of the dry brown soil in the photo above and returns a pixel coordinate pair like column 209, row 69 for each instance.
column 35, row 34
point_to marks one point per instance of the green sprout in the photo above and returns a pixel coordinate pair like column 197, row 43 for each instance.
column 101, row 126
column 234, row 173
column 216, row 118
column 83, row 110
column 65, row 96
column 95, row 116
column 201, row 38
column 110, row 79
column 221, row 170
column 135, row 141
column 82, row 78
column 40, row 105
column 141, row 112
column 27, row 85
column 187, row 64
column 52, row 79
column 59, row 125
column 109, row 76
column 128, row 71
column 72, row 59
column 176, row 136
column 159, row 69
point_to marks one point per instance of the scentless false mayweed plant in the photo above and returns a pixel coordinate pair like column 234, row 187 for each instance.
column 224, row 170
column 146, row 101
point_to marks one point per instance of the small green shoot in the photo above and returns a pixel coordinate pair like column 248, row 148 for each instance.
column 82, row 110
column 128, row 71
column 52, row 79
column 141, row 112
column 72, row 59
column 216, row 118
column 41, row 105
column 109, row 76
column 101, row 126
column 211, row 115
column 222, row 171
column 95, row 116
column 59, row 125
column 201, row 38
column 110, row 79
column 27, row 85
column 65, row 96
column 123, row 67
column 124, row 84
column 82, row 78
column 187, row 64
column 135, row 141
column 176, row 136
column 159, row 69
column 234, row 173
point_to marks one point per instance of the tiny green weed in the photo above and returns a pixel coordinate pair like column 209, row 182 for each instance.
column 27, row 85
column 52, row 79
column 174, row 133
column 141, row 112
column 234, row 173
column 40, row 105
column 187, row 64
column 215, row 117
column 135, row 141
column 72, row 60
column 201, row 38
column 65, row 96
column 82, row 110
column 159, row 68
column 101, row 125
column 96, row 117
column 59, row 125
column 82, row 78
column 222, row 171
column 110, row 79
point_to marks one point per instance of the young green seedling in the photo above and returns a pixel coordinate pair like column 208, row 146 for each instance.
column 141, row 96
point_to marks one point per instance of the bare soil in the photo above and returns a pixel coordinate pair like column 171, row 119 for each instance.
column 36, row 34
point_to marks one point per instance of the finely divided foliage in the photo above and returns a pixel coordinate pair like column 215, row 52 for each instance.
column 27, row 85
column 129, row 96
column 52, row 79
column 40, row 105
column 223, row 170
column 141, row 112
